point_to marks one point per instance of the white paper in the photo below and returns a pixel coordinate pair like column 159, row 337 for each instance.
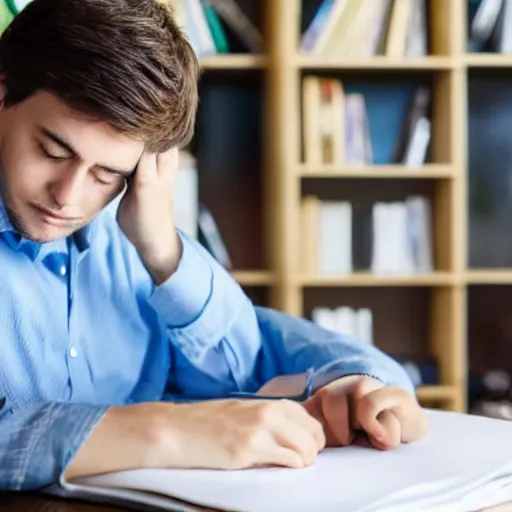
column 465, row 463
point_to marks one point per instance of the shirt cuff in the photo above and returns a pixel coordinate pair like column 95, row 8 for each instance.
column 338, row 369
column 182, row 298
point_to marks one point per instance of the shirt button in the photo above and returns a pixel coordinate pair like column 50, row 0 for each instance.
column 73, row 352
column 63, row 270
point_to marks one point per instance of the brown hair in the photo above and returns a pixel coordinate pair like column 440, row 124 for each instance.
column 125, row 62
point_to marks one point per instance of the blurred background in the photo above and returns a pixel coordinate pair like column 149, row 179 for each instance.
column 352, row 165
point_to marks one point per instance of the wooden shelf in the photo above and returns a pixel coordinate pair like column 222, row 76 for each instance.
column 253, row 277
column 436, row 299
column 435, row 393
column 488, row 60
column 498, row 276
column 430, row 171
column 369, row 279
column 234, row 61
column 379, row 62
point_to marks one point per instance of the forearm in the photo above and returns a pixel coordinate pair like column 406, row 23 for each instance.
column 38, row 440
column 211, row 326
column 161, row 264
column 126, row 438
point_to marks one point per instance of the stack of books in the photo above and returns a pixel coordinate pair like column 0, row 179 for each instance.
column 208, row 22
column 364, row 28
column 358, row 125
column 396, row 239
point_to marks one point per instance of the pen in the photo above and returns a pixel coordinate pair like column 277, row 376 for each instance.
column 251, row 396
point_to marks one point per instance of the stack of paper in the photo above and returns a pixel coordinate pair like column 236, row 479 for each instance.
column 464, row 464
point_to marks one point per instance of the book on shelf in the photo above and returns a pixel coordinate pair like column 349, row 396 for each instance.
column 16, row 6
column 356, row 323
column 6, row 16
column 364, row 124
column 192, row 216
column 207, row 24
column 352, row 29
column 212, row 238
column 464, row 463
column 490, row 26
column 392, row 239
column 186, row 200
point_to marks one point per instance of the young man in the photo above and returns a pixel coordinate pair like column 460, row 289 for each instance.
column 124, row 344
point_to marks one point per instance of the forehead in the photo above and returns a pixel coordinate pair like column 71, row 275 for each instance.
column 95, row 141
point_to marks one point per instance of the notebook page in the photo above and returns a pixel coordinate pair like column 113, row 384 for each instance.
column 459, row 450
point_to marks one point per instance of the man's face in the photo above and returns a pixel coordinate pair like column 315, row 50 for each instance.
column 59, row 168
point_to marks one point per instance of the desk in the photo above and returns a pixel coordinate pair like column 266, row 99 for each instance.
column 31, row 503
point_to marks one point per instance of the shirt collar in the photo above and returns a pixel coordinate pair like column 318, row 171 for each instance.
column 82, row 238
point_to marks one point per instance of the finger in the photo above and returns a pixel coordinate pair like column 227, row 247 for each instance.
column 392, row 432
column 146, row 169
column 298, row 413
column 280, row 456
column 335, row 409
column 313, row 407
column 369, row 409
column 362, row 439
column 289, row 434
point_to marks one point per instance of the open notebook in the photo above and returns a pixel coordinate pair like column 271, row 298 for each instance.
column 464, row 464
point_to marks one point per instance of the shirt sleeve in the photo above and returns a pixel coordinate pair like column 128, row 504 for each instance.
column 294, row 345
column 223, row 344
column 37, row 441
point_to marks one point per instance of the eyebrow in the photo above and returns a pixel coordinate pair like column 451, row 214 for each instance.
column 66, row 146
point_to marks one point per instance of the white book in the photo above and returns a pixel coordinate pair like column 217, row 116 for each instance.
column 417, row 147
column 420, row 233
column 374, row 43
column 364, row 325
column 325, row 318
column 503, row 33
column 485, row 19
column 417, row 39
column 346, row 321
column 186, row 201
column 198, row 30
column 358, row 146
column 403, row 258
column 379, row 263
column 335, row 237
column 464, row 464
column 213, row 238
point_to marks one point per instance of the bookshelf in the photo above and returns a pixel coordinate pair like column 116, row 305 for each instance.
column 436, row 299
column 438, row 315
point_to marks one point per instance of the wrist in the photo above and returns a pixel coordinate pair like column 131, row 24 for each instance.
column 162, row 261
column 126, row 438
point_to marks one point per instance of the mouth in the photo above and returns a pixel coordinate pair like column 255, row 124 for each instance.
column 53, row 217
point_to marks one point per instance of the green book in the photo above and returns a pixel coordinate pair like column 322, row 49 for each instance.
column 6, row 16
column 16, row 6
column 215, row 26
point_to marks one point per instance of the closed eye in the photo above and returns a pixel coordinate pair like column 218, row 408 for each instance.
column 52, row 156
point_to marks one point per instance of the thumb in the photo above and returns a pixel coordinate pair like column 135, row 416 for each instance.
column 374, row 415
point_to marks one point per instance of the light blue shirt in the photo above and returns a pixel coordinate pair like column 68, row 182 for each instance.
column 82, row 328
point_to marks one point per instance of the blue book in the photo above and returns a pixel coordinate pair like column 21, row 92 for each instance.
column 388, row 105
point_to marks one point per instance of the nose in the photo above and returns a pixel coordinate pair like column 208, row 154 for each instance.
column 65, row 190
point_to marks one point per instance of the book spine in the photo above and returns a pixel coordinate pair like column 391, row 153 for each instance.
column 240, row 23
